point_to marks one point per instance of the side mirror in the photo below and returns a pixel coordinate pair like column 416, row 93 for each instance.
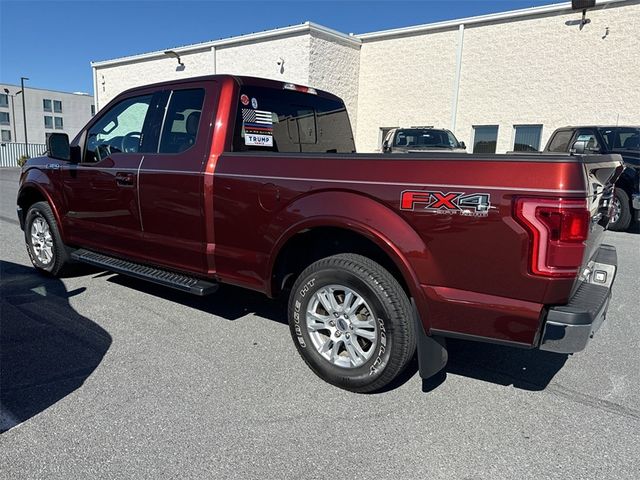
column 462, row 145
column 579, row 147
column 385, row 146
column 58, row 146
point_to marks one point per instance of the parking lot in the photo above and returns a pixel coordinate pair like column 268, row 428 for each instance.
column 106, row 376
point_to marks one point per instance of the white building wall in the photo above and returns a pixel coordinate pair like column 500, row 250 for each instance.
column 542, row 70
column 260, row 59
column 404, row 81
column 334, row 66
column 114, row 79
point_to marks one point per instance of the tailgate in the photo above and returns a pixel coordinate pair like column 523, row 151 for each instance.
column 601, row 173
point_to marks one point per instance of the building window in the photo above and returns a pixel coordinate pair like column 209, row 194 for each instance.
column 485, row 138
column 48, row 121
column 58, row 121
column 57, row 106
column 527, row 138
column 93, row 110
column 4, row 118
column 6, row 135
column 4, row 100
column 46, row 105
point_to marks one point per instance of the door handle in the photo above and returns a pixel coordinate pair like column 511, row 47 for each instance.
column 124, row 179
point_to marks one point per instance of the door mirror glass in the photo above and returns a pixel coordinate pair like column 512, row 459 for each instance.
column 462, row 145
column 58, row 146
column 579, row 147
column 385, row 145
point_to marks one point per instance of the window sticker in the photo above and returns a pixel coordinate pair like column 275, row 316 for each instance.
column 254, row 103
column 258, row 140
column 244, row 99
column 258, row 127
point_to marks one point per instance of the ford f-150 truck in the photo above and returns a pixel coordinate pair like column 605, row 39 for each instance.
column 255, row 183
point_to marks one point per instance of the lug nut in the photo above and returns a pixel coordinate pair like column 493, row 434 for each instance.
column 332, row 323
column 338, row 333
column 348, row 335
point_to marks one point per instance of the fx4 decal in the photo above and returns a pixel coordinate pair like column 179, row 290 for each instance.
column 451, row 203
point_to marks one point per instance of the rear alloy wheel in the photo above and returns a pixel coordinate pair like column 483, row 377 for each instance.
column 621, row 212
column 351, row 322
column 44, row 244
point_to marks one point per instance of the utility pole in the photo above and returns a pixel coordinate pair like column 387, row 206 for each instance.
column 24, row 115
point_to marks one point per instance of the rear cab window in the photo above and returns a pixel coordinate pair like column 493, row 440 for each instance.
column 560, row 141
column 272, row 120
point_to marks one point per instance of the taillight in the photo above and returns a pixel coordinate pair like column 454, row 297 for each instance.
column 558, row 230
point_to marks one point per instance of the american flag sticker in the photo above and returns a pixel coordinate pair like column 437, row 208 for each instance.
column 257, row 118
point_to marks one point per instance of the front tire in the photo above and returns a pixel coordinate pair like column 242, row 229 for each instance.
column 351, row 322
column 621, row 218
column 44, row 243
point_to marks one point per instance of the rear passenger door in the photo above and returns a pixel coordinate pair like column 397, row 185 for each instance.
column 171, row 179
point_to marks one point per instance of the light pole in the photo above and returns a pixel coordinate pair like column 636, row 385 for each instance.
column 13, row 113
column 24, row 115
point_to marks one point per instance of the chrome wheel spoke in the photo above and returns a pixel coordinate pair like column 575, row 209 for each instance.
column 357, row 303
column 333, row 356
column 368, row 334
column 356, row 354
column 327, row 300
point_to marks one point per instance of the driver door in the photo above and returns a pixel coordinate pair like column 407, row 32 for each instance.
column 101, row 191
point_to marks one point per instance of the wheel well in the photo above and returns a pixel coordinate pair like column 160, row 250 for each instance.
column 28, row 197
column 311, row 245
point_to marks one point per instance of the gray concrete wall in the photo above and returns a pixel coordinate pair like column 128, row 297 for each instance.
column 76, row 112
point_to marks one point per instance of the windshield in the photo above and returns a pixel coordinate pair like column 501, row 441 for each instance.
column 621, row 138
column 425, row 137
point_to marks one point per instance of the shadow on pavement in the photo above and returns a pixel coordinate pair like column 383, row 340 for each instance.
column 524, row 369
column 47, row 350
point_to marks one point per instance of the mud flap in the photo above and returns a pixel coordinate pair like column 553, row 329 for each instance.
column 431, row 351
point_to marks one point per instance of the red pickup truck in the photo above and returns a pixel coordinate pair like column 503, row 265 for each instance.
column 256, row 183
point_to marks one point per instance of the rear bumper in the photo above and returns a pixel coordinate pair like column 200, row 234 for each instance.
column 568, row 328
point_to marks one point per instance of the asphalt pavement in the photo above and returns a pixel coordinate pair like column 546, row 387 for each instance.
column 103, row 376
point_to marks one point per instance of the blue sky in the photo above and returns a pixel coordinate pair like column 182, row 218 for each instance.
column 52, row 42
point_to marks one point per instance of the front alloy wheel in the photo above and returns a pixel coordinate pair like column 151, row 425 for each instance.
column 41, row 240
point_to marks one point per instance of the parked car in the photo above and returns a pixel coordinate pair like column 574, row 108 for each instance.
column 253, row 182
column 624, row 141
column 421, row 139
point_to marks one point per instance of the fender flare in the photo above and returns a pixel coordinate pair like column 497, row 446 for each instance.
column 377, row 222
column 33, row 179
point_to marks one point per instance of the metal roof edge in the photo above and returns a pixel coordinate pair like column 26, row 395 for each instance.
column 306, row 27
column 512, row 14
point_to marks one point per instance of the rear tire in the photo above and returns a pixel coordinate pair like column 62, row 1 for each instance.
column 622, row 211
column 351, row 322
column 44, row 243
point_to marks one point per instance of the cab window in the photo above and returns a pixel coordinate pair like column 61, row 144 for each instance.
column 182, row 121
column 560, row 141
column 119, row 130
column 273, row 120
